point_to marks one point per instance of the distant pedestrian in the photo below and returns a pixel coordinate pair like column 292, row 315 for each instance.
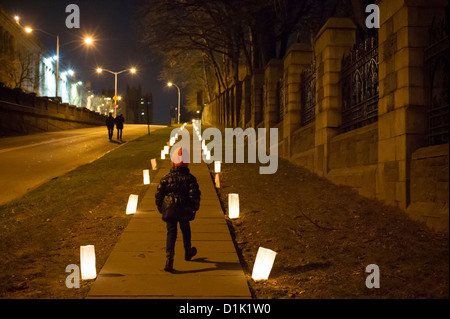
column 119, row 125
column 110, row 125
column 178, row 199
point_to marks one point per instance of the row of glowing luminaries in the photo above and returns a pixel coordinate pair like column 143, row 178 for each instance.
column 264, row 258
column 87, row 253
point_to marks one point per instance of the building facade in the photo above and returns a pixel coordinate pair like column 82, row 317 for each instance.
column 26, row 65
column 370, row 112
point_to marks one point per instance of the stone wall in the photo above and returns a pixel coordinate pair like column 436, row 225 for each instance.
column 22, row 114
column 353, row 159
column 386, row 158
column 429, row 186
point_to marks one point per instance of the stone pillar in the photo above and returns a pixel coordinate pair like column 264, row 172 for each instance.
column 257, row 97
column 297, row 58
column 245, row 102
column 272, row 74
column 402, row 111
column 333, row 41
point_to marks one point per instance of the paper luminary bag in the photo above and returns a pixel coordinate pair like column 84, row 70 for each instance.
column 217, row 166
column 87, row 261
column 146, row 174
column 233, row 205
column 263, row 263
column 132, row 204
column 154, row 165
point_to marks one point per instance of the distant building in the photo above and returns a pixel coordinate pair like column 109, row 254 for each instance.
column 132, row 104
column 26, row 64
column 145, row 114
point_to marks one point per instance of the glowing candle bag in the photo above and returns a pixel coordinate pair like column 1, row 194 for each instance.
column 233, row 205
column 87, row 260
column 217, row 181
column 146, row 176
column 154, row 166
column 163, row 154
column 216, row 166
column 166, row 149
column 263, row 263
column 132, row 204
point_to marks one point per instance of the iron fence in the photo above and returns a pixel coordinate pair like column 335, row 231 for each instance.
column 308, row 94
column 359, row 85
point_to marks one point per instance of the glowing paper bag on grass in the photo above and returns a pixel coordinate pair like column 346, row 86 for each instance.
column 146, row 177
column 233, row 205
column 87, row 260
column 154, row 166
column 166, row 149
column 217, row 181
column 132, row 204
column 263, row 263
column 216, row 166
column 163, row 154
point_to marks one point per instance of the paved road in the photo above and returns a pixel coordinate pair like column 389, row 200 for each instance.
column 29, row 161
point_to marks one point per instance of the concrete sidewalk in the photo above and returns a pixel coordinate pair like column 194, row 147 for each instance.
column 135, row 267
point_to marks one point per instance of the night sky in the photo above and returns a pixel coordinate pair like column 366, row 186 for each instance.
column 117, row 47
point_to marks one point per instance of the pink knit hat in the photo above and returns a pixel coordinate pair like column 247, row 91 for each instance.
column 180, row 157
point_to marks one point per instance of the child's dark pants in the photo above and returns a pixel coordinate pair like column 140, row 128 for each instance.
column 172, row 235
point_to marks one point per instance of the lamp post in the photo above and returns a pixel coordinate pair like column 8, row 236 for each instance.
column 169, row 84
column 100, row 70
column 87, row 40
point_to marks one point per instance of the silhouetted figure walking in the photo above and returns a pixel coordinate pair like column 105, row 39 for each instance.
column 110, row 125
column 119, row 125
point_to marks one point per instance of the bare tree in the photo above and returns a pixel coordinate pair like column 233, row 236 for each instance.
column 215, row 44
column 20, row 71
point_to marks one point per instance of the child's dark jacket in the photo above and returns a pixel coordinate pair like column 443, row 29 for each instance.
column 178, row 196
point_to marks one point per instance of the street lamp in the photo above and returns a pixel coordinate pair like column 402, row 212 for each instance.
column 169, row 84
column 100, row 70
column 87, row 40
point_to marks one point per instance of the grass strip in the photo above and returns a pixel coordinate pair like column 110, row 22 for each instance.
column 41, row 233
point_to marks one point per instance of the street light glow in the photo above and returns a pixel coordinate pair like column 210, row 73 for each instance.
column 28, row 30
column 17, row 18
column 71, row 72
column 116, row 97
column 178, row 109
column 88, row 40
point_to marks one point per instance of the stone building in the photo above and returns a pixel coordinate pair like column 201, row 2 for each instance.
column 26, row 64
column 368, row 112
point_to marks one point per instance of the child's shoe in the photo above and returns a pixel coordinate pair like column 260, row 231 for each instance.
column 190, row 253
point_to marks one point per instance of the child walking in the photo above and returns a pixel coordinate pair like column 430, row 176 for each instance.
column 178, row 199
